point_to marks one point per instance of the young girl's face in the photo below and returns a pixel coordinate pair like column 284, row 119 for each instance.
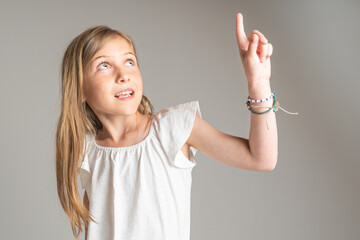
column 116, row 70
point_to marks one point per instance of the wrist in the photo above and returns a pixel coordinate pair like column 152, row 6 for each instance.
column 259, row 92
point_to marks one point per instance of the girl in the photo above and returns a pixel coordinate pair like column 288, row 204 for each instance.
column 135, row 166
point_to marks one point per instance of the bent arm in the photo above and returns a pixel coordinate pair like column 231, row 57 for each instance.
column 225, row 148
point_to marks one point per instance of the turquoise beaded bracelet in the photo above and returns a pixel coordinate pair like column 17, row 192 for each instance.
column 261, row 100
column 274, row 106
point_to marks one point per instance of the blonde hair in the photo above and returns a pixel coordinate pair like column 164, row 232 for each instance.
column 77, row 119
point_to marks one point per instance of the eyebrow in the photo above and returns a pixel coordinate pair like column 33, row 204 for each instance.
column 104, row 56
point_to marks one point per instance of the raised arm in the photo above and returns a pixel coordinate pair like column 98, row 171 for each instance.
column 255, row 52
column 259, row 152
column 225, row 148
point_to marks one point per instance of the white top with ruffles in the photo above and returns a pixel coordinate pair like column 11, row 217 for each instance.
column 143, row 191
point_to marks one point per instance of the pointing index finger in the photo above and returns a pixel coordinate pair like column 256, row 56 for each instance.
column 240, row 32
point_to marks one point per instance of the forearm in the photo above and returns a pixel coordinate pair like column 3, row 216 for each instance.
column 263, row 141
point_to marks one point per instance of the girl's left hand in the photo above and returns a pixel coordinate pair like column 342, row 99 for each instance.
column 255, row 52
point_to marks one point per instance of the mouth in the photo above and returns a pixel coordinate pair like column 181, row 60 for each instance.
column 125, row 93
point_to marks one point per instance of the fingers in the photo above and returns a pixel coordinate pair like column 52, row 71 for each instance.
column 270, row 50
column 262, row 50
column 263, row 45
column 257, row 48
column 253, row 46
column 240, row 33
column 261, row 36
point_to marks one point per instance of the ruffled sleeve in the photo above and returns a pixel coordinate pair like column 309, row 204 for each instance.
column 84, row 171
column 173, row 126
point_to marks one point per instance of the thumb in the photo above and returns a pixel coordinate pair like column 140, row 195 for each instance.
column 253, row 45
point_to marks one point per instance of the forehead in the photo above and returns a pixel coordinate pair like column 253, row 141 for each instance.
column 117, row 42
column 113, row 46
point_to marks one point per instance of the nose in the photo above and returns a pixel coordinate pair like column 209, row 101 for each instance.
column 122, row 76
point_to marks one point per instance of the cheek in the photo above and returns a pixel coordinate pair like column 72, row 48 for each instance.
column 97, row 90
column 140, row 84
column 139, row 93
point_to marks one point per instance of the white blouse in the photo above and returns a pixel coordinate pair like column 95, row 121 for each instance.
column 142, row 192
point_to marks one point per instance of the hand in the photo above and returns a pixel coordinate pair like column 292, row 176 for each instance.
column 252, row 50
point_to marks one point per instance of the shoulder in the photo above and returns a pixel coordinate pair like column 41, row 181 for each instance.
column 177, row 116
column 173, row 124
column 186, row 108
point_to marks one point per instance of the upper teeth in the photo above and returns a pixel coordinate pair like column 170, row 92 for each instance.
column 123, row 93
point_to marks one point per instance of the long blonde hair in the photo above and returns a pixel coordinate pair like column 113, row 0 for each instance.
column 77, row 119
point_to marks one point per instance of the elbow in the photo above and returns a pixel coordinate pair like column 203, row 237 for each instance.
column 267, row 165
column 268, row 168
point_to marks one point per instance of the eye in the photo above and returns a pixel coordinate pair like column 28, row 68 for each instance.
column 130, row 60
column 103, row 63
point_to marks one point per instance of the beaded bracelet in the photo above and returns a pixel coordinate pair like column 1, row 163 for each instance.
column 261, row 100
column 275, row 106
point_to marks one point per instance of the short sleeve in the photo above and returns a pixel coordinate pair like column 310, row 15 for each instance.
column 174, row 125
column 84, row 171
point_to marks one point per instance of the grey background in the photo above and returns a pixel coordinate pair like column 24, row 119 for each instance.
column 188, row 51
